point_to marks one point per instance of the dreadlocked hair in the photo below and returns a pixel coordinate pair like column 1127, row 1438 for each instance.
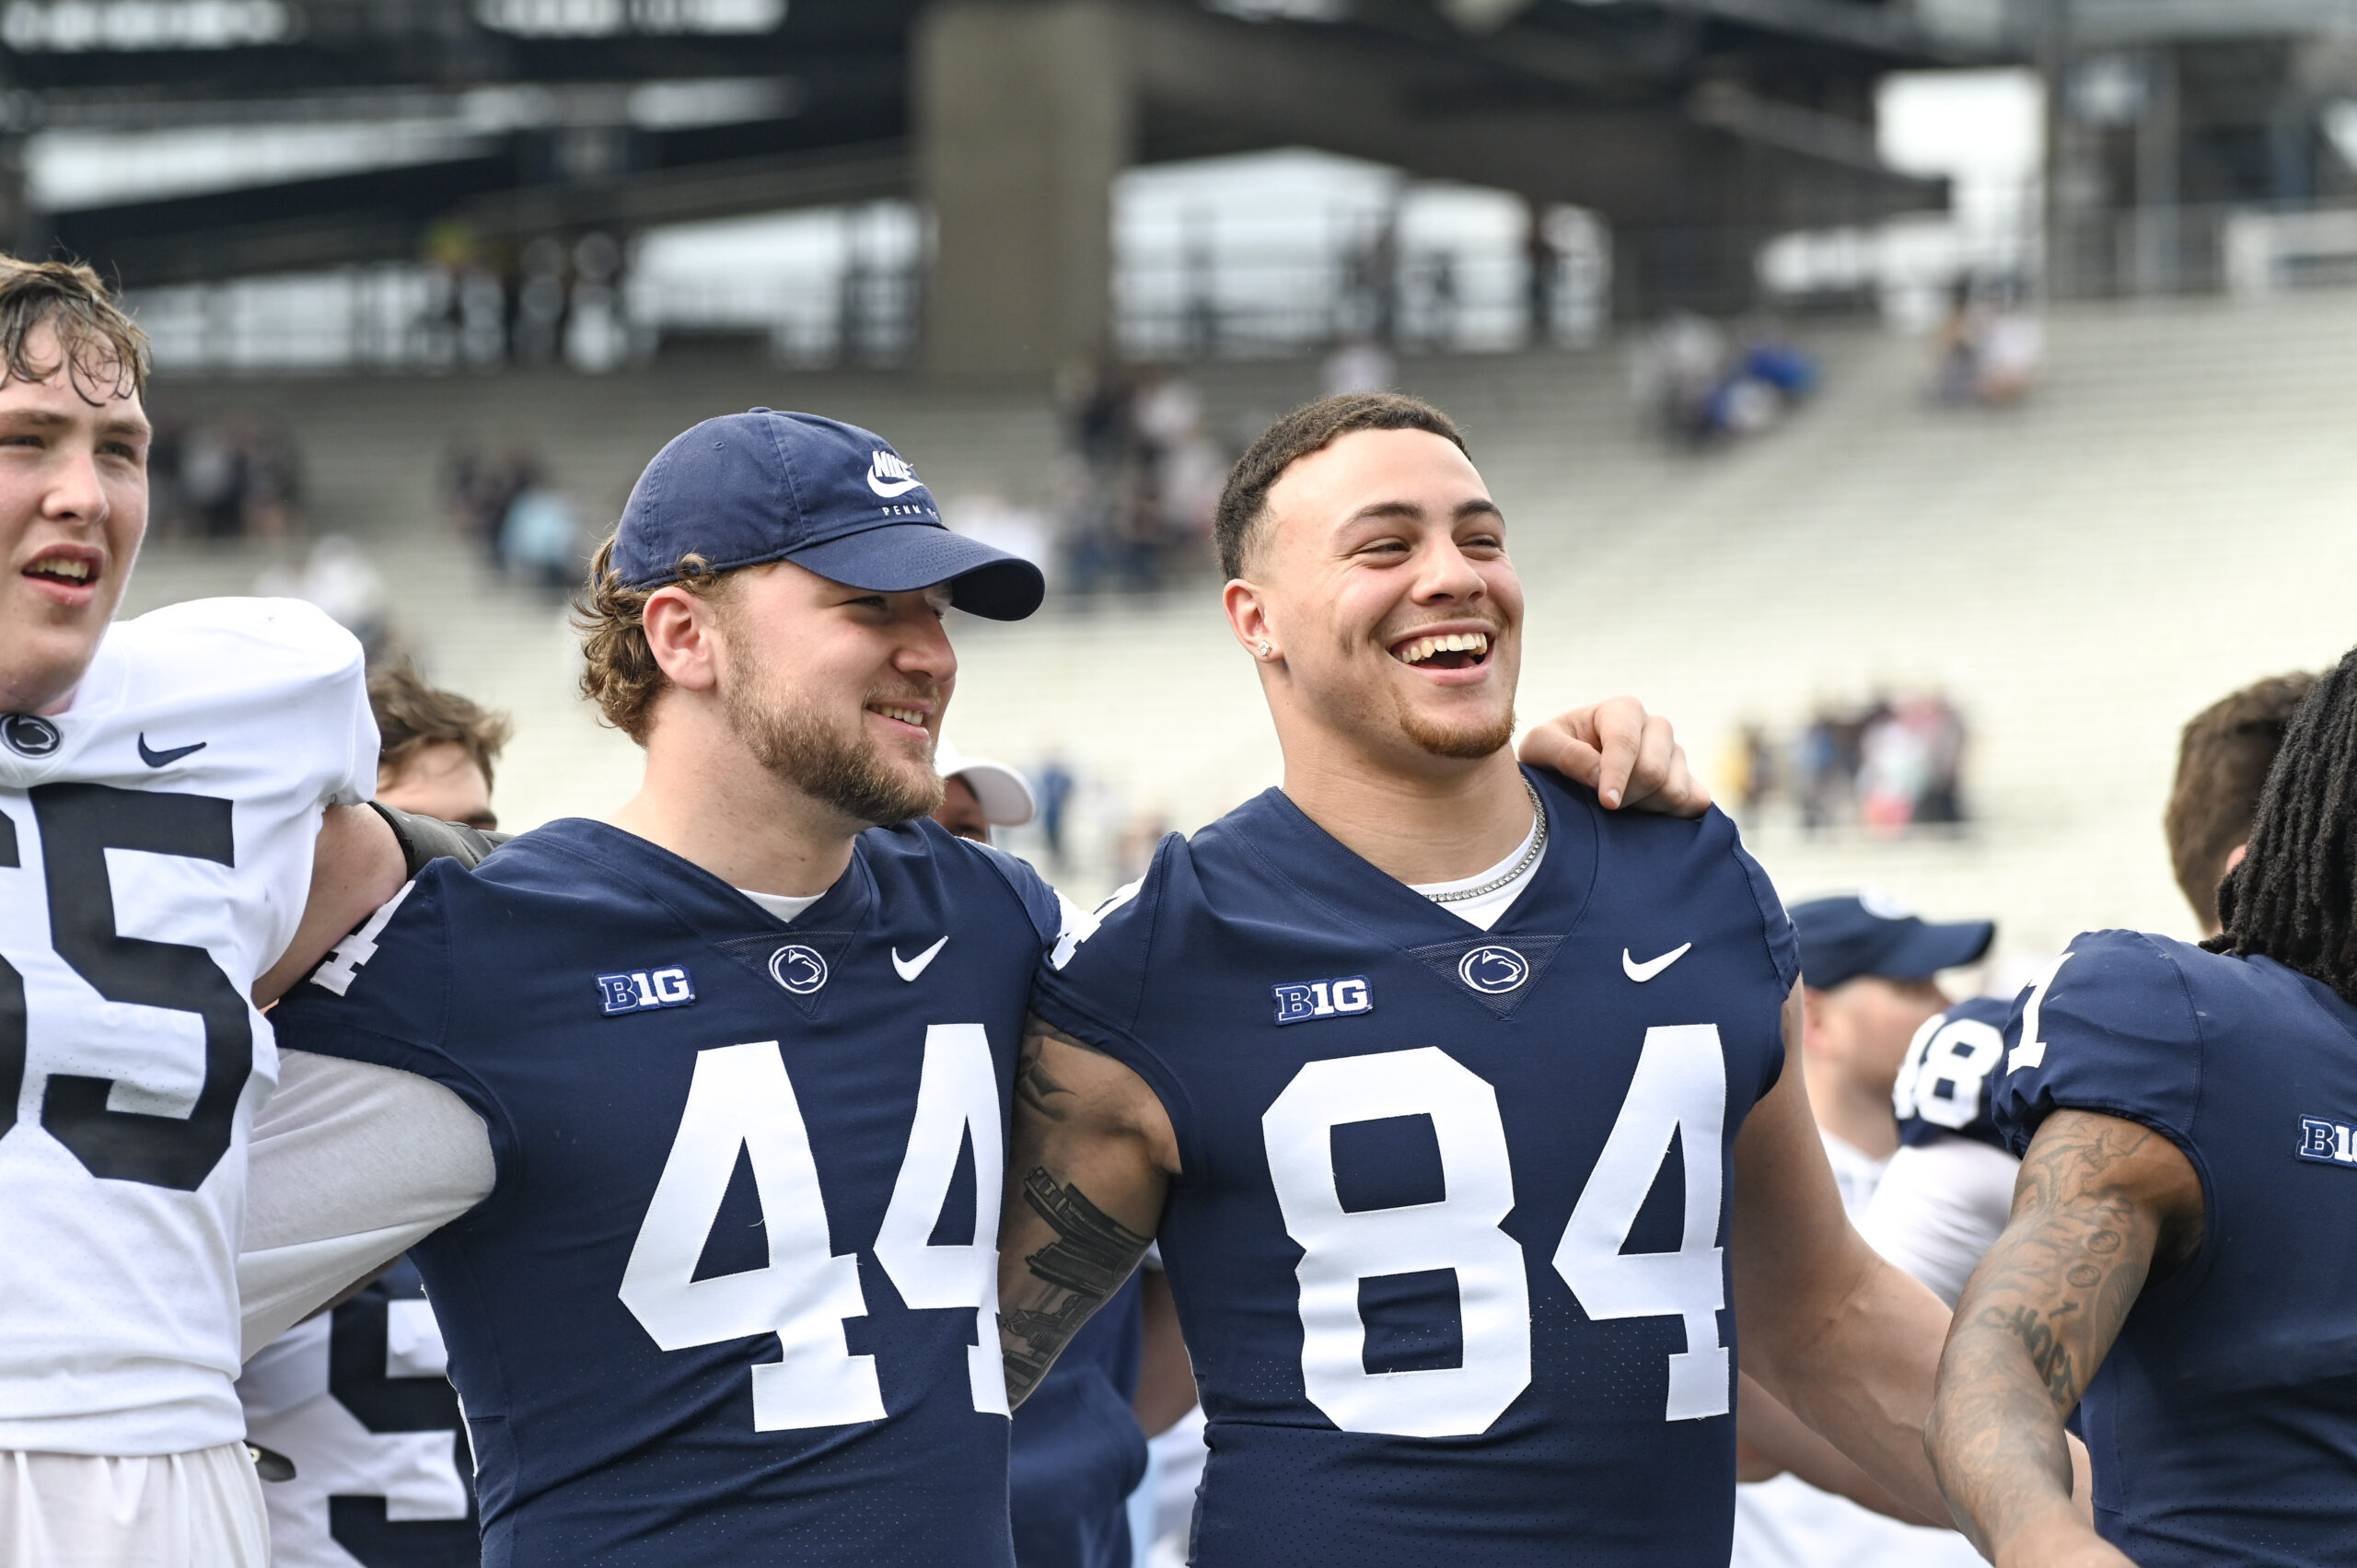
column 2294, row 898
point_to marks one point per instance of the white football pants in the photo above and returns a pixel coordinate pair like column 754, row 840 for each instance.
column 199, row 1510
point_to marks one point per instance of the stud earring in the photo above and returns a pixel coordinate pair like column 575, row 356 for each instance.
column 1264, row 650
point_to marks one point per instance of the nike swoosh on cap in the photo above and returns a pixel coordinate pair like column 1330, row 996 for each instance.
column 1652, row 967
column 887, row 488
column 909, row 969
column 155, row 759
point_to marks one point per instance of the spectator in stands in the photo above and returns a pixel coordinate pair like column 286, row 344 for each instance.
column 1990, row 347
column 977, row 794
column 479, row 487
column 1358, row 365
column 338, row 576
column 2221, row 759
column 1889, row 766
column 539, row 539
column 437, row 747
column 1056, row 787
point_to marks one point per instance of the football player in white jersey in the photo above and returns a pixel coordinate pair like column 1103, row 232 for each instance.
column 163, row 784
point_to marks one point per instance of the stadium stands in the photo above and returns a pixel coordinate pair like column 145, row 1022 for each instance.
column 2168, row 517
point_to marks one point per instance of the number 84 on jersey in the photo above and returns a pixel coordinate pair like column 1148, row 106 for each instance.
column 1677, row 1090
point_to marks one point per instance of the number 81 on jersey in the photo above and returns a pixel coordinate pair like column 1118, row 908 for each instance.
column 1680, row 1084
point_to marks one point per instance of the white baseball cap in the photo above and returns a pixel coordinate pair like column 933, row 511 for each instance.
column 1003, row 794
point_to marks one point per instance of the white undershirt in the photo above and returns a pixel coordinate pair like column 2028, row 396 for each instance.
column 1490, row 908
column 784, row 906
column 1939, row 1206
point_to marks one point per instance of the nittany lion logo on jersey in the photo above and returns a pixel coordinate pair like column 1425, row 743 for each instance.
column 1493, row 970
column 798, row 969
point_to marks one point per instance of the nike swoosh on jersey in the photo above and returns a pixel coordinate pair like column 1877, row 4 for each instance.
column 155, row 759
column 909, row 969
column 887, row 488
column 1652, row 967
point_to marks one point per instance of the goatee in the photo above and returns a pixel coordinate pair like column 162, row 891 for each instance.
column 1464, row 743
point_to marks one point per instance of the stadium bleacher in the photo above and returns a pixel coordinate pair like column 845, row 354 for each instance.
column 2168, row 517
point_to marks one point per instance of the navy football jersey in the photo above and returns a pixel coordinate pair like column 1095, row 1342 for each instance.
column 1949, row 1074
column 1449, row 1245
column 2223, row 1425
column 733, row 1299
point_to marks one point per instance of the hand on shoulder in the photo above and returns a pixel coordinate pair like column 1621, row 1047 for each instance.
column 1628, row 756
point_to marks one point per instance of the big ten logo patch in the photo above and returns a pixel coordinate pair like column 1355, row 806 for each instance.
column 1298, row 1003
column 636, row 991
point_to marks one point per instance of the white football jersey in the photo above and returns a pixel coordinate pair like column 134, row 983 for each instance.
column 358, row 1399
column 155, row 844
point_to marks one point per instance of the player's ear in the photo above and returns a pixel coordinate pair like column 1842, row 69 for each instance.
column 1249, row 617
column 1812, row 1011
column 681, row 635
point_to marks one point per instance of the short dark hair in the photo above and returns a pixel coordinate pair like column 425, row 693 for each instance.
column 1312, row 427
column 413, row 716
column 2294, row 898
column 99, row 347
column 2221, row 762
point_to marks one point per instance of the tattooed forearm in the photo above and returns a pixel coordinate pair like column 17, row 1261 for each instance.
column 2097, row 1201
column 1092, row 1256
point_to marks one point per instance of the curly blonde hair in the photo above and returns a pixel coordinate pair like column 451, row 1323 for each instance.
column 618, row 672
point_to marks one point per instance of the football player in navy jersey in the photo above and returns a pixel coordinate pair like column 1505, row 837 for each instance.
column 714, row 1092
column 1461, row 1107
column 1942, row 1197
column 1947, row 1195
column 2185, row 1225
column 736, row 1060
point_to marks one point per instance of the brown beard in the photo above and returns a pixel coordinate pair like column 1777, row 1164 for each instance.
column 787, row 736
column 1465, row 745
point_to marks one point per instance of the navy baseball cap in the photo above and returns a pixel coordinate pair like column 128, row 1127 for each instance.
column 830, row 497
column 1868, row 933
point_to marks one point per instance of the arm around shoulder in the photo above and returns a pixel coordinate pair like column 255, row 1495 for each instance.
column 352, row 1164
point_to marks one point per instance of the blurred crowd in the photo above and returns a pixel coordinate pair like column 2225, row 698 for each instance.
column 1887, row 766
column 234, row 476
column 1142, row 477
column 1991, row 346
column 1702, row 385
column 507, row 503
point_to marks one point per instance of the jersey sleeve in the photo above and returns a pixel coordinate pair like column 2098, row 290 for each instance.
column 1776, row 926
column 1051, row 912
column 383, row 996
column 1947, row 1081
column 1092, row 982
column 2110, row 1028
column 302, row 677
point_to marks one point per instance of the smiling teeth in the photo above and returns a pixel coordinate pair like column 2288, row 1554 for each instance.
column 56, row 566
column 906, row 716
column 1423, row 648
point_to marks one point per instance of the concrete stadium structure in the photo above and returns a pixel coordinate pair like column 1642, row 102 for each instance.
column 2169, row 517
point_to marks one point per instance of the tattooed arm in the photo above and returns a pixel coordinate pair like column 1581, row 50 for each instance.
column 1089, row 1162
column 2101, row 1204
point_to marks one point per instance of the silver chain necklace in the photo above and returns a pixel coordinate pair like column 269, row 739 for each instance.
column 1529, row 856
